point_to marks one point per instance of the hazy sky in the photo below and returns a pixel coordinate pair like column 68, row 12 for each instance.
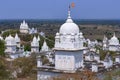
column 57, row 9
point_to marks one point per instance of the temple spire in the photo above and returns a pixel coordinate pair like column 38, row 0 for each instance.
column 114, row 34
column 69, row 12
column 69, row 19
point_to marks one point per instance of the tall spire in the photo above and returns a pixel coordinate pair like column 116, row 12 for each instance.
column 24, row 21
column 69, row 20
column 69, row 11
column 114, row 34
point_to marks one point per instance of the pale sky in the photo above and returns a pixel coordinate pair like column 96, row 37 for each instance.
column 57, row 9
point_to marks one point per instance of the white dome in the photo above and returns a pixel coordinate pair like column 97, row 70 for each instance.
column 10, row 40
column 114, row 40
column 69, row 27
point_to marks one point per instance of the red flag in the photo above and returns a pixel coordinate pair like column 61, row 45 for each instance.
column 72, row 4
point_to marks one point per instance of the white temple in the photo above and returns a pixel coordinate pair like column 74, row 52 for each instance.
column 70, row 56
column 32, row 30
column 68, row 46
column 44, row 47
column 112, row 44
column 35, row 45
column 69, row 36
column 105, row 43
column 24, row 27
column 13, row 48
column 10, row 44
column 17, row 40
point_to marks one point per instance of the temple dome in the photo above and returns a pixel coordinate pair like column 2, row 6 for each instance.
column 10, row 40
column 69, row 26
column 114, row 40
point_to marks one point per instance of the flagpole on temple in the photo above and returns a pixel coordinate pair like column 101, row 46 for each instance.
column 69, row 11
column 72, row 5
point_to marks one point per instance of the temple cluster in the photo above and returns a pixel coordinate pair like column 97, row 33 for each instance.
column 14, row 47
column 112, row 44
column 73, row 53
column 24, row 28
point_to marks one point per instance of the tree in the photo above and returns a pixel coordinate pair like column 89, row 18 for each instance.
column 27, row 47
column 50, row 41
column 25, row 66
column 26, row 37
column 12, row 32
column 2, row 48
column 44, row 59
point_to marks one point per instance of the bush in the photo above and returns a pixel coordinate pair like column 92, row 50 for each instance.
column 12, row 32
column 4, row 73
column 2, row 48
column 25, row 66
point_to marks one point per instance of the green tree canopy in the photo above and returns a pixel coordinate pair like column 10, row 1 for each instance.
column 12, row 32
column 2, row 48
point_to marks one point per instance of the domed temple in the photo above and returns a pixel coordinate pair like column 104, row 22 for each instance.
column 69, row 37
column 10, row 44
column 112, row 44
column 73, row 53
column 68, row 46
column 35, row 45
column 13, row 47
column 24, row 27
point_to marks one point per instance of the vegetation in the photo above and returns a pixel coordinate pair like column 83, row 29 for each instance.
column 27, row 47
column 44, row 59
column 4, row 72
column 26, row 37
column 108, row 77
column 112, row 75
column 25, row 66
column 102, row 54
column 12, row 32
column 50, row 41
column 2, row 48
column 86, row 75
